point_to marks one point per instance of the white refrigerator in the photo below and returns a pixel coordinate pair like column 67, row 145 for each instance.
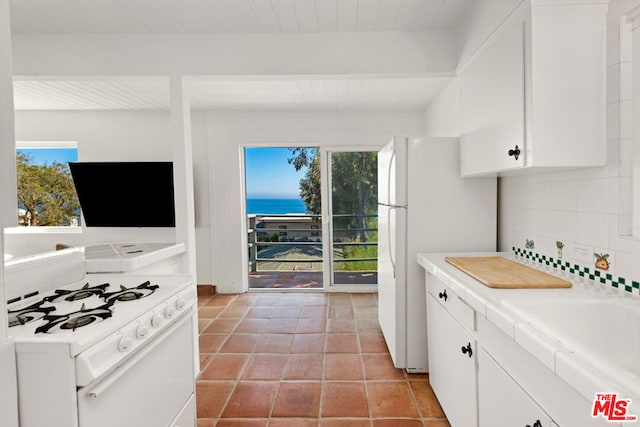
column 423, row 206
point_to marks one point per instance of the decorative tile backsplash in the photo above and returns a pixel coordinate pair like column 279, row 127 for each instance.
column 594, row 274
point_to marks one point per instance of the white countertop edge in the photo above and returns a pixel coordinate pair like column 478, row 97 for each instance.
column 587, row 375
column 588, row 381
column 134, row 262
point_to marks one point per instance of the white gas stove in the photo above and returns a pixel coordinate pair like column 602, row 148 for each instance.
column 101, row 349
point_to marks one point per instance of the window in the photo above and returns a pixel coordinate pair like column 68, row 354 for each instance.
column 46, row 194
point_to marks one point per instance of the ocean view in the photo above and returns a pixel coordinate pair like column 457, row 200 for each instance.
column 275, row 206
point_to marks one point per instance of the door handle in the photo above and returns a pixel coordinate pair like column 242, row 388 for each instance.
column 515, row 153
column 468, row 351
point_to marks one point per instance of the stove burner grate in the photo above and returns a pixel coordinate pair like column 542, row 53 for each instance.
column 83, row 317
column 78, row 322
column 130, row 294
column 29, row 314
column 78, row 294
column 76, row 319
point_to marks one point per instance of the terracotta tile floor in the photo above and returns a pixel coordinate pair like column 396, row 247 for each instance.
column 303, row 359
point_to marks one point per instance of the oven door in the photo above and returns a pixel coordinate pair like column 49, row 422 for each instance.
column 149, row 389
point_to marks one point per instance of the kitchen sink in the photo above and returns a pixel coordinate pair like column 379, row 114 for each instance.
column 609, row 329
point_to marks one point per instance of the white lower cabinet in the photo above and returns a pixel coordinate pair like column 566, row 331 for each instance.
column 452, row 360
column 483, row 378
column 502, row 402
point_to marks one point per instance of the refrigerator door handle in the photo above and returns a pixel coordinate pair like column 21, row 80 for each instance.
column 393, row 261
column 389, row 171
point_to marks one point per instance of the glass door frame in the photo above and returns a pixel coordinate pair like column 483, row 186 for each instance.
column 245, row 229
column 325, row 213
column 326, row 193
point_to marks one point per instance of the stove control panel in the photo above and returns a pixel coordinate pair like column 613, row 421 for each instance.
column 106, row 354
column 169, row 312
column 142, row 331
column 125, row 343
column 156, row 320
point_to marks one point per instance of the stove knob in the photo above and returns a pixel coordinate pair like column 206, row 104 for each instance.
column 169, row 312
column 156, row 320
column 180, row 303
column 142, row 332
column 125, row 343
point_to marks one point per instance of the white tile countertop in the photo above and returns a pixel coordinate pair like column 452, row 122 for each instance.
column 612, row 364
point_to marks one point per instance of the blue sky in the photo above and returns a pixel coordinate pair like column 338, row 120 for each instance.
column 49, row 155
column 269, row 175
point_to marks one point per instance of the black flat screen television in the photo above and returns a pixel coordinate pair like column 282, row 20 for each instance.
column 125, row 194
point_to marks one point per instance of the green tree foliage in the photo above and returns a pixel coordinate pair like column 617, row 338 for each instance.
column 46, row 192
column 353, row 173
column 360, row 252
column 354, row 197
column 310, row 184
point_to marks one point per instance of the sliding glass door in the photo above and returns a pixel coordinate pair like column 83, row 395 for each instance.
column 302, row 201
column 353, row 217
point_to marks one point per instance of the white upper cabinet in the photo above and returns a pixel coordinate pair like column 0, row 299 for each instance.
column 492, row 104
column 538, row 83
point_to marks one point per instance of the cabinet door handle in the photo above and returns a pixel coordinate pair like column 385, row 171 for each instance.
column 467, row 350
column 443, row 294
column 536, row 424
column 515, row 153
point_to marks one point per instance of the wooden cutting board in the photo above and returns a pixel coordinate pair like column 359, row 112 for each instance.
column 499, row 272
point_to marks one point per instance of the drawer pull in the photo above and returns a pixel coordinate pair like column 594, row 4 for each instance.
column 467, row 350
column 443, row 294
column 536, row 424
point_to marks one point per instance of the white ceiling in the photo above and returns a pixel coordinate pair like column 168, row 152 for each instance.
column 318, row 94
column 279, row 93
column 231, row 16
column 341, row 94
column 126, row 93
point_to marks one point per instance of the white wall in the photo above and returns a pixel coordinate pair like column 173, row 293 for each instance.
column 229, row 132
column 442, row 116
column 102, row 136
column 8, row 386
column 201, row 196
column 478, row 22
column 113, row 136
column 7, row 167
column 581, row 207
